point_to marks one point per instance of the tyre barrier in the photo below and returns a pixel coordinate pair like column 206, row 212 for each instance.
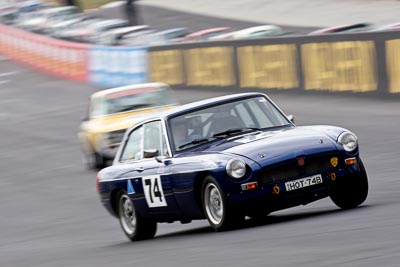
column 367, row 63
column 99, row 65
column 60, row 58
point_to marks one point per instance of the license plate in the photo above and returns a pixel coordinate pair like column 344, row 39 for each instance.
column 303, row 182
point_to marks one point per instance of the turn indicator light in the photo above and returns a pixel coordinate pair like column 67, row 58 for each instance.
column 249, row 186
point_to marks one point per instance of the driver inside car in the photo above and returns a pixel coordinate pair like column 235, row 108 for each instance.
column 183, row 133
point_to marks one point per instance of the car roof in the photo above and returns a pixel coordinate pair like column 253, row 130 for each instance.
column 123, row 30
column 58, row 9
column 275, row 30
column 259, row 28
column 223, row 36
column 207, row 31
column 340, row 28
column 393, row 26
column 138, row 33
column 102, row 93
column 173, row 30
column 108, row 22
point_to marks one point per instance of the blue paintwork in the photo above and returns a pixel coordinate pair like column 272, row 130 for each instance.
column 182, row 174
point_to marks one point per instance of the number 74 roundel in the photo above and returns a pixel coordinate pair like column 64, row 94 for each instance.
column 153, row 191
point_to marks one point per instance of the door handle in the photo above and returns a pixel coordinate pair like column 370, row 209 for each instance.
column 139, row 169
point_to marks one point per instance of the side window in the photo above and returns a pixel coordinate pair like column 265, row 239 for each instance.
column 133, row 148
column 153, row 139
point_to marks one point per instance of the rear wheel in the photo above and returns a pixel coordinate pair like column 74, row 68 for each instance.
column 351, row 191
column 133, row 225
column 219, row 213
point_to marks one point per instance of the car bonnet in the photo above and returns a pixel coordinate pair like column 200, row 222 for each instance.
column 274, row 146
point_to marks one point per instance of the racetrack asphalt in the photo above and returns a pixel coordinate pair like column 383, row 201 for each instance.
column 51, row 214
column 311, row 13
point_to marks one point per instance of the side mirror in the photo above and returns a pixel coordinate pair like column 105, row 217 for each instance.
column 291, row 117
column 160, row 159
column 163, row 159
column 150, row 153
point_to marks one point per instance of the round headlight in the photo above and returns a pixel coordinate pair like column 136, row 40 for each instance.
column 348, row 140
column 236, row 168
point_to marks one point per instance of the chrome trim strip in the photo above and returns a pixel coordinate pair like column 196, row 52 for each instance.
column 161, row 174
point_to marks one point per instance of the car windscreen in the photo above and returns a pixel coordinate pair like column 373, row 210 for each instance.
column 130, row 100
column 195, row 128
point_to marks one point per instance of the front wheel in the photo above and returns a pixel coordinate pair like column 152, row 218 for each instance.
column 133, row 225
column 218, row 211
column 351, row 191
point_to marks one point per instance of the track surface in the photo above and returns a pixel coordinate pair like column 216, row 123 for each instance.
column 51, row 215
column 320, row 13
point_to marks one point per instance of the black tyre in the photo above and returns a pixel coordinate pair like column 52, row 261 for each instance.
column 94, row 161
column 133, row 225
column 217, row 210
column 351, row 191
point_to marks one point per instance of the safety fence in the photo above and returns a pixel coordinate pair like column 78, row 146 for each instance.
column 117, row 66
column 357, row 62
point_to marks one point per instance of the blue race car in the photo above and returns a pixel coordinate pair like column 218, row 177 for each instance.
column 223, row 159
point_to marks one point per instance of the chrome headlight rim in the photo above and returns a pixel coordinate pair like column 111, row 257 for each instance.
column 236, row 168
column 349, row 141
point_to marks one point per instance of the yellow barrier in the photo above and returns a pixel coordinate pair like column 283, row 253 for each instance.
column 209, row 66
column 268, row 66
column 166, row 66
column 340, row 66
column 393, row 65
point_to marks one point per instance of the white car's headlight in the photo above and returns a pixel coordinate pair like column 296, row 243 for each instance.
column 348, row 140
column 236, row 168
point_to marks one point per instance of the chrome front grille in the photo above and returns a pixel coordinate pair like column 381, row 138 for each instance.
column 290, row 168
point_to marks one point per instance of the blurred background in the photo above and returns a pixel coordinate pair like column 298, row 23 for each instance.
column 327, row 62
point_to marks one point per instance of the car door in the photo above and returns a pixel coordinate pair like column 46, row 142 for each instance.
column 155, row 194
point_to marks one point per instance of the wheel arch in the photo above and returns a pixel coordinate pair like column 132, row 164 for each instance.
column 197, row 187
column 114, row 199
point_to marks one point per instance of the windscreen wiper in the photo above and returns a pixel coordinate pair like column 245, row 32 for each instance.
column 196, row 141
column 234, row 131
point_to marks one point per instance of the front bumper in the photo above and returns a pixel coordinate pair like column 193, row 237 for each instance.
column 271, row 195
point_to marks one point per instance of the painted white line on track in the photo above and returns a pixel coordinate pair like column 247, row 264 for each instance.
column 8, row 73
column 5, row 81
